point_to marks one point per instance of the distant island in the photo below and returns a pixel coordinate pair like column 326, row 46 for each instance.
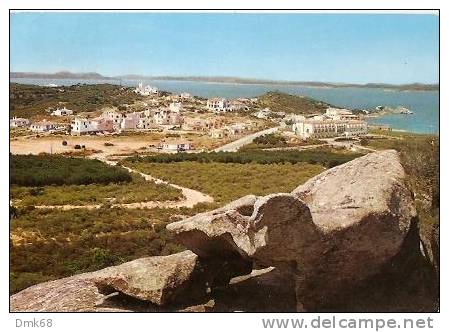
column 224, row 79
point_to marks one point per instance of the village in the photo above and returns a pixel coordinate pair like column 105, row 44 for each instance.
column 185, row 123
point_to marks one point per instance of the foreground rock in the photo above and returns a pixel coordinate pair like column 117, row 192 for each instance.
column 159, row 280
column 333, row 232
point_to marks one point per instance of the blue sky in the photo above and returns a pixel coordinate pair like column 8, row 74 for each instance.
column 355, row 48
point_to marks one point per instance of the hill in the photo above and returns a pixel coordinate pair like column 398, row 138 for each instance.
column 283, row 102
column 31, row 100
column 59, row 75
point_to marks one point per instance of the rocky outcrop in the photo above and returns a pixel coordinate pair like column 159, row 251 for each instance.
column 337, row 229
column 159, row 280
column 164, row 280
column 346, row 240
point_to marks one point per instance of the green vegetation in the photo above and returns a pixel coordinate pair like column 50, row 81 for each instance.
column 228, row 181
column 325, row 157
column 283, row 102
column 30, row 100
column 33, row 171
column 270, row 141
column 138, row 190
column 275, row 140
column 51, row 244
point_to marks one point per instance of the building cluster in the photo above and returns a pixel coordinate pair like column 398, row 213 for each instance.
column 220, row 105
column 114, row 121
column 334, row 123
column 16, row 122
column 146, row 90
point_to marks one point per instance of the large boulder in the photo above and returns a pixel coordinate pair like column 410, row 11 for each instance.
column 337, row 229
column 269, row 230
column 158, row 280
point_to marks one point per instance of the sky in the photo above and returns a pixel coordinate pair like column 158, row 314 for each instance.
column 351, row 48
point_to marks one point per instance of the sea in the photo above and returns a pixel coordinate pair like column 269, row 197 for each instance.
column 424, row 104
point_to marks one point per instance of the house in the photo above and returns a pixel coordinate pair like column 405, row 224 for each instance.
column 176, row 107
column 239, row 105
column 130, row 121
column 113, row 115
column 43, row 126
column 62, row 112
column 18, row 122
column 80, row 126
column 147, row 123
column 102, row 125
column 314, row 128
column 166, row 117
column 176, row 146
column 219, row 105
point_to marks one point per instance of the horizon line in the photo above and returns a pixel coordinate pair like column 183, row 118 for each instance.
column 178, row 76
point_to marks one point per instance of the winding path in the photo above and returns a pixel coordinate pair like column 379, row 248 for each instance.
column 191, row 196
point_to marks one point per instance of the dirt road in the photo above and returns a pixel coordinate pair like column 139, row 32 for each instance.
column 191, row 197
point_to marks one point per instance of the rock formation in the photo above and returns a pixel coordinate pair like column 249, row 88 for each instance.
column 329, row 239
column 339, row 228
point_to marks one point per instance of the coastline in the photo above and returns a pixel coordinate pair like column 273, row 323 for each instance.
column 257, row 83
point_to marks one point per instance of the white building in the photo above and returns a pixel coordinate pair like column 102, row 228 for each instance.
column 18, row 122
column 176, row 146
column 43, row 126
column 80, row 126
column 147, row 123
column 219, row 105
column 176, row 107
column 166, row 117
column 185, row 96
column 62, row 112
column 340, row 114
column 312, row 128
column 147, row 90
column 115, row 116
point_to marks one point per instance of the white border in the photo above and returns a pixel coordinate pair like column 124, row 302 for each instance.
column 199, row 322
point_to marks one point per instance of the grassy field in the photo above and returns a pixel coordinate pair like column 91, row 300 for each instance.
column 138, row 190
column 228, row 181
column 51, row 244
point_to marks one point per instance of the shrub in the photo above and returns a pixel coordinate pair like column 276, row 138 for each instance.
column 34, row 171
column 323, row 157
